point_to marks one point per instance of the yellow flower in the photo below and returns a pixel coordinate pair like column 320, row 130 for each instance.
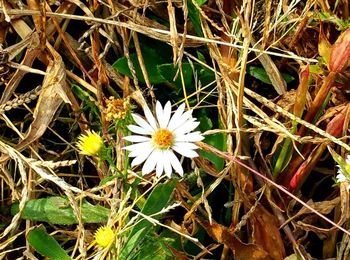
column 90, row 144
column 116, row 108
column 104, row 236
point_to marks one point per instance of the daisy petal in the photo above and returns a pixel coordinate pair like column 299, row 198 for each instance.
column 186, row 116
column 175, row 163
column 176, row 117
column 150, row 118
column 137, row 138
column 159, row 168
column 348, row 159
column 341, row 177
column 186, row 145
column 185, row 152
column 187, row 127
column 139, row 130
column 163, row 115
column 190, row 137
column 142, row 122
column 138, row 146
column 151, row 162
column 139, row 152
column 167, row 168
column 141, row 157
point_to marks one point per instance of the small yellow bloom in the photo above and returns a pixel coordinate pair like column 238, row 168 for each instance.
column 90, row 144
column 104, row 236
column 116, row 108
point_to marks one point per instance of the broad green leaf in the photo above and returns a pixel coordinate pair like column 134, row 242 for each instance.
column 201, row 2
column 205, row 76
column 57, row 210
column 152, row 59
column 260, row 74
column 217, row 140
column 168, row 72
column 132, row 247
column 157, row 200
column 154, row 248
column 45, row 244
column 193, row 14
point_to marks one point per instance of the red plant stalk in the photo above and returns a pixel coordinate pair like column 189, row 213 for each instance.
column 285, row 176
column 319, row 99
column 231, row 158
column 339, row 60
column 334, row 127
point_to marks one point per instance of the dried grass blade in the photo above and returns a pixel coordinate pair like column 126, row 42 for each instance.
column 50, row 99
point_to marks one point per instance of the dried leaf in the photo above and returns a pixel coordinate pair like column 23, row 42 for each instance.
column 51, row 97
column 266, row 232
column 272, row 71
column 241, row 250
column 300, row 98
column 324, row 46
column 344, row 203
column 309, row 227
column 324, row 207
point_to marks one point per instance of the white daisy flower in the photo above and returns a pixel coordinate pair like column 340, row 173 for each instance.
column 344, row 172
column 340, row 177
column 158, row 138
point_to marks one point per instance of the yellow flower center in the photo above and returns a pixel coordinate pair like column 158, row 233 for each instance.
column 104, row 236
column 90, row 144
column 163, row 138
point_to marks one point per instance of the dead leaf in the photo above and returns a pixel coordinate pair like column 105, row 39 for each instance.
column 51, row 97
column 344, row 203
column 240, row 250
column 324, row 207
column 324, row 46
column 266, row 232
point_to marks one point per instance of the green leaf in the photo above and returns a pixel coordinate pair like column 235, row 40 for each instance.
column 157, row 200
column 86, row 98
column 328, row 17
column 57, row 210
column 154, row 248
column 206, row 76
column 260, row 74
column 193, row 14
column 45, row 244
column 151, row 59
column 217, row 140
column 201, row 57
column 168, row 72
column 201, row 2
